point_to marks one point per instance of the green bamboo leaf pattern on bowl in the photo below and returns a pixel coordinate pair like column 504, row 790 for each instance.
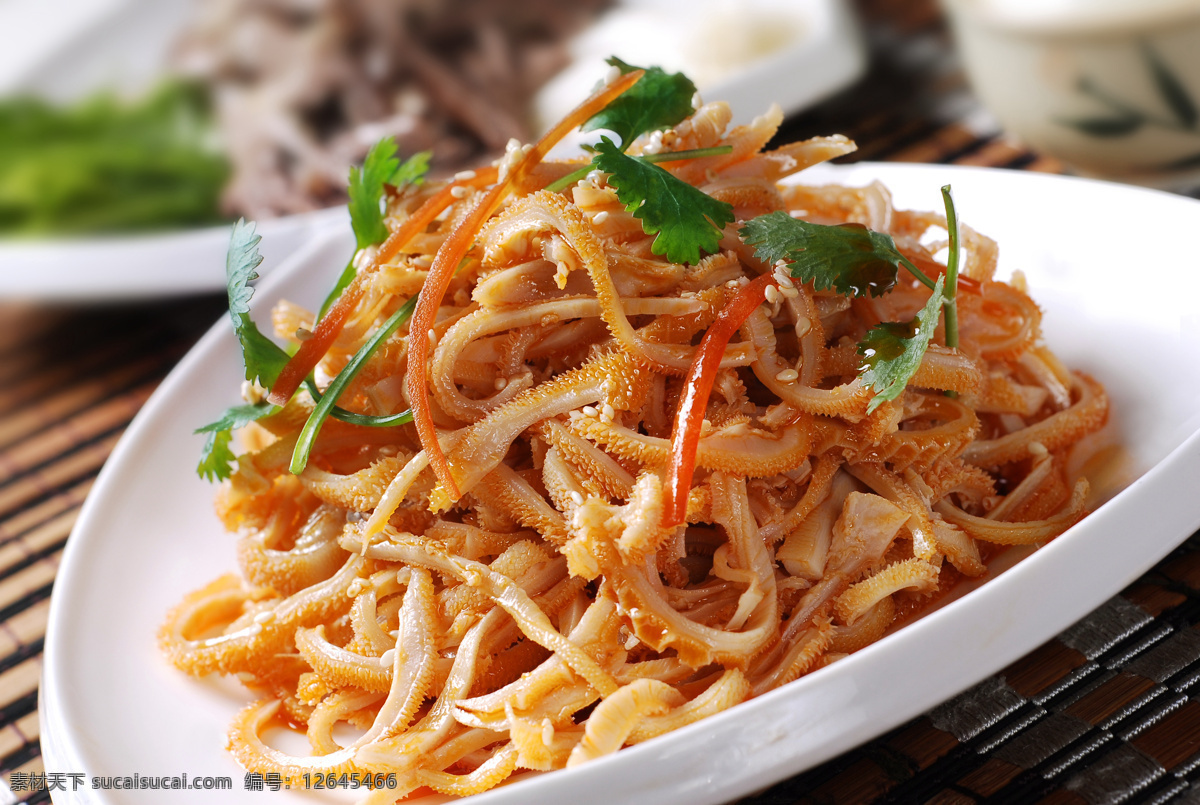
column 1106, row 126
column 1171, row 88
column 1122, row 119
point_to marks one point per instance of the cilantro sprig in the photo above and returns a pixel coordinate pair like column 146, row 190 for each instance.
column 217, row 455
column 325, row 403
column 380, row 168
column 367, row 188
column 856, row 261
column 686, row 220
column 659, row 100
column 264, row 359
column 849, row 258
column 892, row 351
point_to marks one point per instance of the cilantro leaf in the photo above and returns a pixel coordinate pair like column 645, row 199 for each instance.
column 892, row 351
column 366, row 192
column 381, row 167
column 687, row 220
column 849, row 258
column 264, row 358
column 412, row 170
column 366, row 200
column 658, row 101
column 216, row 455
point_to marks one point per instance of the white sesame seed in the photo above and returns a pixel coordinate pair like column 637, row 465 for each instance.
column 600, row 217
column 432, row 335
column 773, row 294
column 576, row 498
column 632, row 642
column 501, row 383
column 788, row 376
column 458, row 191
column 609, row 412
column 803, row 325
column 613, row 74
column 697, row 101
column 303, row 333
column 387, row 658
column 547, row 731
column 785, row 281
column 589, row 410
column 464, row 176
column 789, row 291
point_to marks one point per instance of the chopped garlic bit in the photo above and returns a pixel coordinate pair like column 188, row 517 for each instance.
column 253, row 393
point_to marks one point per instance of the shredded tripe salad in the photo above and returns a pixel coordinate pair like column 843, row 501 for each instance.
column 580, row 452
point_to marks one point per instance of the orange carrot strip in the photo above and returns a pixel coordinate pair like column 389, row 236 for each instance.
column 689, row 417
column 327, row 329
column 451, row 253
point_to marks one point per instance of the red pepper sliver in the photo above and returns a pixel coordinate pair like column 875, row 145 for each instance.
column 689, row 418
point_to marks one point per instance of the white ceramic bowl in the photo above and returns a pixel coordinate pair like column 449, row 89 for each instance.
column 1110, row 87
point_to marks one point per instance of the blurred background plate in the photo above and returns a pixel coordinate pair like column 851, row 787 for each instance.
column 754, row 53
column 749, row 53
column 108, row 269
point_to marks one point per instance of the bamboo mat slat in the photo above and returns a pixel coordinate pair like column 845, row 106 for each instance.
column 1107, row 712
column 70, row 382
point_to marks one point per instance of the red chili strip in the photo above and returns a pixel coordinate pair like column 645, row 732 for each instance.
column 689, row 418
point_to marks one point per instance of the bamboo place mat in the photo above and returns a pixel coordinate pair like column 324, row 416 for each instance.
column 1102, row 714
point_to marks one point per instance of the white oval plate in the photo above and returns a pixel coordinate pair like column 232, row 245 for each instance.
column 1102, row 260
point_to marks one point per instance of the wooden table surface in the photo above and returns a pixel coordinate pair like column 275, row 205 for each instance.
column 1102, row 714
